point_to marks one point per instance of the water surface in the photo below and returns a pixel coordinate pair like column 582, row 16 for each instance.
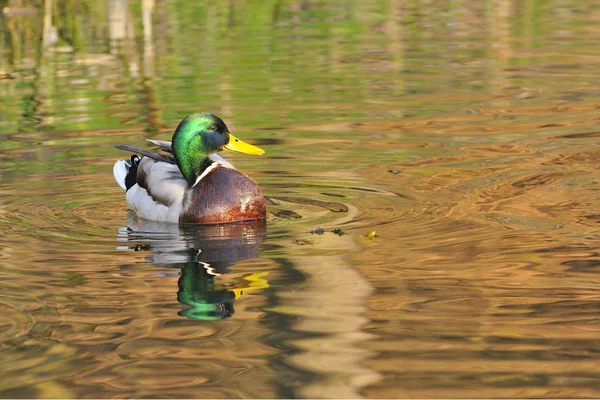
column 465, row 136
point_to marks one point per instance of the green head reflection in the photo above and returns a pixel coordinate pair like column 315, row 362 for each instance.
column 206, row 301
column 203, row 254
column 205, row 298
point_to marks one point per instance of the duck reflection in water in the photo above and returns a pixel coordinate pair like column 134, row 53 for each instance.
column 203, row 253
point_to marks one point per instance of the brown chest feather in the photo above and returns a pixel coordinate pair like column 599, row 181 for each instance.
column 224, row 195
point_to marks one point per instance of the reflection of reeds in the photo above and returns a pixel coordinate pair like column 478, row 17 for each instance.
column 249, row 55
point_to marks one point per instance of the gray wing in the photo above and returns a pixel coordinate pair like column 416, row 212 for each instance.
column 163, row 182
column 163, row 144
column 156, row 156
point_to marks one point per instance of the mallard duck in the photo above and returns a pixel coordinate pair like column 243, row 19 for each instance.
column 189, row 183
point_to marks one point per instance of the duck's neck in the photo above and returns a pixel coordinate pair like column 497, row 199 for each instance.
column 191, row 160
column 192, row 170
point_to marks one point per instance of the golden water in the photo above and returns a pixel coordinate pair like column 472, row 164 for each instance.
column 467, row 138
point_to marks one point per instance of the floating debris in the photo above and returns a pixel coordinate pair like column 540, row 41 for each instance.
column 339, row 232
column 318, row 231
column 302, row 242
column 394, row 171
column 523, row 95
column 371, row 235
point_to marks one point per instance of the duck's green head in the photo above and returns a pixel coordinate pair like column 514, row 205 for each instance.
column 198, row 136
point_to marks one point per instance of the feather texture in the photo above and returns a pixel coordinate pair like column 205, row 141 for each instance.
column 120, row 170
column 157, row 156
column 163, row 144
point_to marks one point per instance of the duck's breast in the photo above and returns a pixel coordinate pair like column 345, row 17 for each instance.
column 223, row 195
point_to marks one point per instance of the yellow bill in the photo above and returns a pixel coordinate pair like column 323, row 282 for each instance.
column 239, row 146
column 256, row 282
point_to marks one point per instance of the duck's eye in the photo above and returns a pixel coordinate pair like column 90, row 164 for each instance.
column 212, row 127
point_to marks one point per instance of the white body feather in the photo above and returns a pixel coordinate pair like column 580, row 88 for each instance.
column 165, row 184
column 120, row 170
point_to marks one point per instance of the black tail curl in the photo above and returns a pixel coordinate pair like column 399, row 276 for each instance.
column 131, row 178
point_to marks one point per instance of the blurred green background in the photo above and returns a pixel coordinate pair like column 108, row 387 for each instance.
column 82, row 64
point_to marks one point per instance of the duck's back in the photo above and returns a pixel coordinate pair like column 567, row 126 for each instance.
column 223, row 195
